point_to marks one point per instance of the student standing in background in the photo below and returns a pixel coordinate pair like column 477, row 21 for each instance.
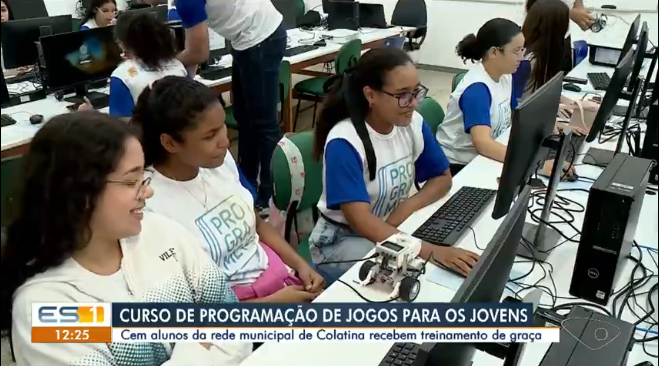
column 99, row 13
column 258, row 41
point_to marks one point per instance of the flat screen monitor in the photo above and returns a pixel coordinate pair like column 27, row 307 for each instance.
column 19, row 38
column 28, row 9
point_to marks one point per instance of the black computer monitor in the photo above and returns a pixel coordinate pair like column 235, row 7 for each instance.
column 343, row 15
column 5, row 93
column 19, row 38
column 533, row 122
column 487, row 280
column 631, row 37
column 75, row 59
column 155, row 11
column 612, row 95
column 372, row 16
column 288, row 9
column 639, row 58
column 28, row 9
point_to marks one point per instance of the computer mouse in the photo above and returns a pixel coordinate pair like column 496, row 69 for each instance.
column 572, row 87
column 646, row 363
column 36, row 119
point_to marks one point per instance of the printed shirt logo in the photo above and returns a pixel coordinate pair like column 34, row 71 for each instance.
column 132, row 71
column 229, row 230
column 394, row 183
column 504, row 119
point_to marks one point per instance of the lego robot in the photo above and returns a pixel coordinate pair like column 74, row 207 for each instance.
column 396, row 265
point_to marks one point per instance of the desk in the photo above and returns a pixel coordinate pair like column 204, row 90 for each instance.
column 483, row 173
column 15, row 139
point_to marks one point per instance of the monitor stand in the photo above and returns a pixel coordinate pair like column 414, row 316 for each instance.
column 82, row 92
column 540, row 238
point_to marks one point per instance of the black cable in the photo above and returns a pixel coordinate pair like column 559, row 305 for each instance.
column 473, row 233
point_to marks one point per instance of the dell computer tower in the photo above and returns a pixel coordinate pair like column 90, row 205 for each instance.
column 650, row 144
column 609, row 227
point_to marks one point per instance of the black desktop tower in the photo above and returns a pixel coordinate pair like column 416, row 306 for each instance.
column 614, row 205
column 650, row 144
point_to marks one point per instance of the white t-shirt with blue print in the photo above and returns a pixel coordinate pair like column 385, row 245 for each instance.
column 217, row 206
column 245, row 23
column 90, row 24
column 130, row 79
column 477, row 101
column 404, row 156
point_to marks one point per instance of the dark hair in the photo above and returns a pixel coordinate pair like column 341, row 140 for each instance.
column 90, row 9
column 346, row 97
column 544, row 30
column 495, row 33
column 529, row 4
column 169, row 107
column 11, row 13
column 63, row 174
column 146, row 37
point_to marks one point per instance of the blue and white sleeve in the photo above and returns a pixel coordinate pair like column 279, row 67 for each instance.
column 245, row 183
column 191, row 12
column 432, row 162
column 344, row 175
column 475, row 103
column 121, row 101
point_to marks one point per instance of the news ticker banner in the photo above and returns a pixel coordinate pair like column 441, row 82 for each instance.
column 165, row 322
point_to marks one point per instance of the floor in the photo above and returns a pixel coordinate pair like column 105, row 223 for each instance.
column 438, row 83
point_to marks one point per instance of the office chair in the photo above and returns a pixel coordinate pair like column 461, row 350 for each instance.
column 412, row 13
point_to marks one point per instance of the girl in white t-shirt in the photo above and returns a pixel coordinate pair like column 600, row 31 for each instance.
column 480, row 108
column 81, row 236
column 99, row 13
column 375, row 147
column 200, row 186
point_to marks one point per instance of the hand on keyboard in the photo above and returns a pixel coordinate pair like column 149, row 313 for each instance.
column 86, row 106
column 455, row 259
column 579, row 131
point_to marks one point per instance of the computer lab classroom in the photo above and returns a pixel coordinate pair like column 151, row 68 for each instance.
column 286, row 150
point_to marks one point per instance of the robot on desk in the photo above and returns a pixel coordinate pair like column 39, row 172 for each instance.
column 397, row 264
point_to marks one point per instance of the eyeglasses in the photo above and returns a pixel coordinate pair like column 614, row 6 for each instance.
column 141, row 185
column 520, row 52
column 106, row 11
column 405, row 99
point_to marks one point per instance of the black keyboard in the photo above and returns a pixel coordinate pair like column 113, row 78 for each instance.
column 299, row 49
column 28, row 76
column 600, row 80
column 447, row 225
column 404, row 354
column 7, row 120
column 216, row 73
column 576, row 142
column 98, row 101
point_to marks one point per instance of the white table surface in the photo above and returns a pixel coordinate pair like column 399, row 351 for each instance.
column 22, row 132
column 483, row 173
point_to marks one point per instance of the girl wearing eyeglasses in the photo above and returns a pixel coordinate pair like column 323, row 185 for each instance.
column 99, row 13
column 80, row 235
column 375, row 147
column 480, row 108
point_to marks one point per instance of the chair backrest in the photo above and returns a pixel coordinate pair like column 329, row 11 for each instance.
column 348, row 55
column 397, row 42
column 300, row 9
column 432, row 112
column 456, row 80
column 284, row 80
column 9, row 181
column 281, row 174
column 580, row 52
column 410, row 13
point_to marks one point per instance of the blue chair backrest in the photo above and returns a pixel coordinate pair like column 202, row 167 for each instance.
column 580, row 52
column 397, row 42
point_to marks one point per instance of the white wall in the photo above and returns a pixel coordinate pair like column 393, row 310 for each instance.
column 450, row 20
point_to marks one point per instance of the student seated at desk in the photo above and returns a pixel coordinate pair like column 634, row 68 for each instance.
column 150, row 52
column 7, row 16
column 81, row 236
column 375, row 148
column 542, row 33
column 172, row 13
column 200, row 186
column 480, row 108
column 99, row 13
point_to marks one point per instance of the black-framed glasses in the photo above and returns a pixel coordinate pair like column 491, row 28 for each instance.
column 405, row 99
column 141, row 185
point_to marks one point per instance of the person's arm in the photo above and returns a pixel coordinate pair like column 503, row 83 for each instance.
column 581, row 16
column 195, row 21
column 346, row 190
column 475, row 104
column 521, row 78
column 432, row 167
column 121, row 102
